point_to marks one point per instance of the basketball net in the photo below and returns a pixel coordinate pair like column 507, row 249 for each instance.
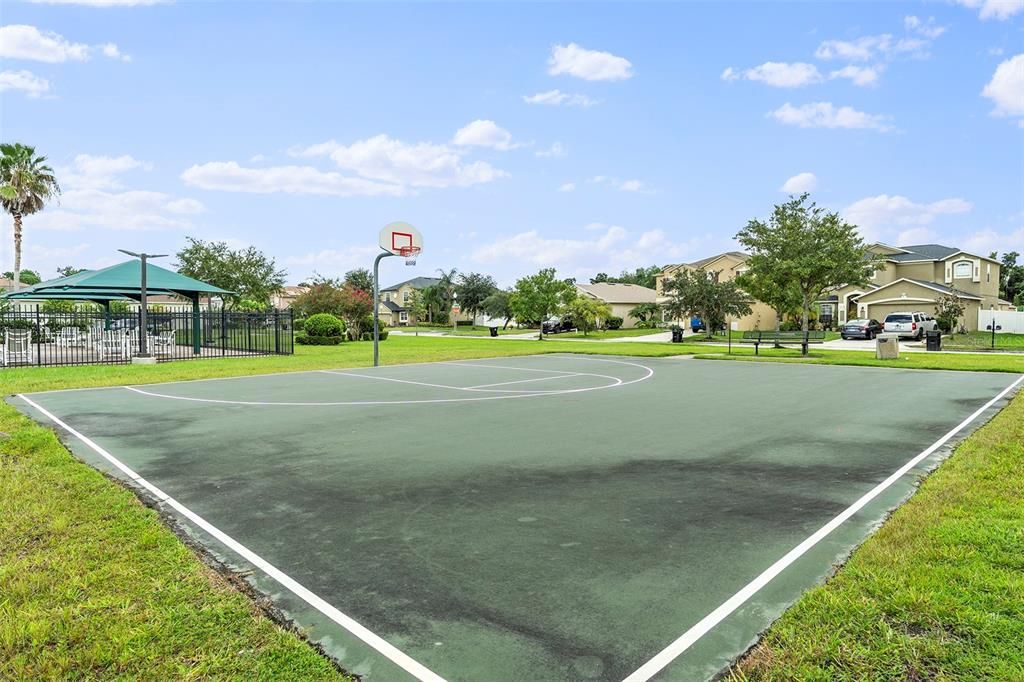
column 409, row 253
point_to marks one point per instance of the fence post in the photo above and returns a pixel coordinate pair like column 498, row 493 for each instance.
column 277, row 332
column 39, row 338
column 196, row 331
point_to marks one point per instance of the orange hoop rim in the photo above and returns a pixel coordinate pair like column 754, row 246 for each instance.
column 407, row 251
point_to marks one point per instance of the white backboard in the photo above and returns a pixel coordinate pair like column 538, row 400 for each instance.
column 398, row 236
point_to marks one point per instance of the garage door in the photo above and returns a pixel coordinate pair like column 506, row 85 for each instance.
column 878, row 311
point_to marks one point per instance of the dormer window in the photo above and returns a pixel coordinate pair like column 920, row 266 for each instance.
column 963, row 270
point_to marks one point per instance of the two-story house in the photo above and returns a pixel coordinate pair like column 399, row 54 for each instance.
column 914, row 278
column 395, row 301
column 724, row 267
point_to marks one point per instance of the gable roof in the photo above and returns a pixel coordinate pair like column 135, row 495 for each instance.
column 704, row 262
column 619, row 293
column 923, row 252
column 942, row 288
column 122, row 279
column 415, row 283
column 392, row 306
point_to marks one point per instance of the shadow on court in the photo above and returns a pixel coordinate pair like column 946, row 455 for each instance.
column 544, row 518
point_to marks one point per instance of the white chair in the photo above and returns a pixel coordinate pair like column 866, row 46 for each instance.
column 70, row 337
column 162, row 343
column 113, row 346
column 17, row 347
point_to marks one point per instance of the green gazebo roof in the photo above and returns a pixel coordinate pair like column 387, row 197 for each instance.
column 123, row 280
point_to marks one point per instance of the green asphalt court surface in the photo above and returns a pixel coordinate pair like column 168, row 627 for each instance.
column 550, row 517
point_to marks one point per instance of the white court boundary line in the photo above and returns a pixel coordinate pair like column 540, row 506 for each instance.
column 382, row 646
column 508, row 394
column 691, row 636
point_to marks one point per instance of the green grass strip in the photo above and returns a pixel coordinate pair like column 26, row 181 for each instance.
column 936, row 594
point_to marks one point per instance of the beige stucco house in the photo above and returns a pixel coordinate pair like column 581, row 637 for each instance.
column 621, row 298
column 914, row 278
column 726, row 267
column 395, row 304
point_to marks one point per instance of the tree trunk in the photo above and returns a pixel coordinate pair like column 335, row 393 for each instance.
column 17, row 252
column 805, row 313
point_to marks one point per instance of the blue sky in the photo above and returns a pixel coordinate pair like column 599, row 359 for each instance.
column 515, row 136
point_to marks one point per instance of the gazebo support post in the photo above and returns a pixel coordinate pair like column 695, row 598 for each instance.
column 196, row 331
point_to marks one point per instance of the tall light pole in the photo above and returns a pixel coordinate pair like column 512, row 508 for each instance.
column 143, row 257
column 455, row 313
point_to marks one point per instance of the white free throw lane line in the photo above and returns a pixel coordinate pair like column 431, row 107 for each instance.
column 526, row 381
column 691, row 636
column 398, row 381
column 414, row 668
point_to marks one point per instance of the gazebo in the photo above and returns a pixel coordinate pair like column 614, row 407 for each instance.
column 124, row 282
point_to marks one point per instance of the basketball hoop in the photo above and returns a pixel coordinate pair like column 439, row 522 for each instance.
column 409, row 253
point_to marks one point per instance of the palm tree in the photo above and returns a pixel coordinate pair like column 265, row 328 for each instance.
column 26, row 184
column 447, row 285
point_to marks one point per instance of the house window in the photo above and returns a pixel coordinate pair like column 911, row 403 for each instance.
column 962, row 270
column 403, row 316
column 405, row 297
column 387, row 295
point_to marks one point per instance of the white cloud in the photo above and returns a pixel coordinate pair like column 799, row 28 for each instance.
column 621, row 185
column 777, row 74
column 99, row 172
column 928, row 28
column 989, row 240
column 869, row 47
column 633, row 186
column 826, row 115
column 26, row 81
column 800, row 183
column 21, row 41
column 257, row 158
column 859, row 75
column 335, row 260
column 1006, row 89
column 607, row 248
column 555, row 151
column 228, row 176
column 130, row 210
column 994, row 9
column 567, row 187
column 423, row 164
column 591, row 65
column 879, row 215
column 484, row 133
column 557, row 98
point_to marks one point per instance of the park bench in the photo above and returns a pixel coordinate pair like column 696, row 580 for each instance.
column 757, row 337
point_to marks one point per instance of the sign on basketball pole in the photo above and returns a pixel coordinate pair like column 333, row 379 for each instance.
column 396, row 239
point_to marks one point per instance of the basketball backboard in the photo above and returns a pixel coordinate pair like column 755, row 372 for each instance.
column 401, row 239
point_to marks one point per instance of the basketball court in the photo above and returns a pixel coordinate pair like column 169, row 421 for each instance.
column 549, row 517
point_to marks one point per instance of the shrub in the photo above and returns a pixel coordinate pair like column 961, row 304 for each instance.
column 789, row 326
column 305, row 340
column 613, row 322
column 299, row 324
column 382, row 335
column 323, row 325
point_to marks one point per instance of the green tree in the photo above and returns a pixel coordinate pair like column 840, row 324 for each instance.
column 948, row 309
column 810, row 248
column 26, row 184
column 360, row 278
column 1011, row 277
column 648, row 315
column 473, row 289
column 643, row 277
column 585, row 311
column 537, row 297
column 247, row 273
column 356, row 307
column 447, row 287
column 498, row 305
column 28, row 277
column 416, row 306
column 773, row 288
column 69, row 270
column 696, row 292
column 322, row 295
column 433, row 300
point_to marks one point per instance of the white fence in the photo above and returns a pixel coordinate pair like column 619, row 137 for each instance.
column 1006, row 321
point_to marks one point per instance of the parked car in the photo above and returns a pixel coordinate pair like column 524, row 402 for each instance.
column 860, row 329
column 554, row 325
column 909, row 324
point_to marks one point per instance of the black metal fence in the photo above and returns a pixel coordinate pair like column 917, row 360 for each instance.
column 34, row 336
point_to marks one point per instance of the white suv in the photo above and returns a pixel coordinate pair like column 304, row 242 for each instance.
column 909, row 324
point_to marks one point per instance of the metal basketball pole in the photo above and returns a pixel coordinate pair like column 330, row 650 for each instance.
column 376, row 306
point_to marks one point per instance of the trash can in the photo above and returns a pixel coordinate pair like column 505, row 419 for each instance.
column 933, row 340
column 677, row 334
column 494, row 330
column 887, row 346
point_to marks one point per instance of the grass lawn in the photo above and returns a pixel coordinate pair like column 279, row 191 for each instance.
column 721, row 337
column 982, row 340
column 978, row 362
column 936, row 594
column 464, row 330
column 600, row 335
column 93, row 585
